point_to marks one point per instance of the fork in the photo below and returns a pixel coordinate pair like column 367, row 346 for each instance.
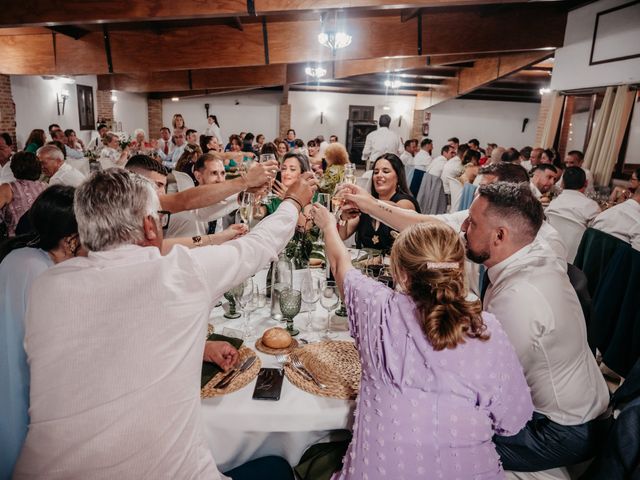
column 282, row 360
column 295, row 361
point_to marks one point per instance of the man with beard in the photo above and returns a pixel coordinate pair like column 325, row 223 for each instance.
column 529, row 292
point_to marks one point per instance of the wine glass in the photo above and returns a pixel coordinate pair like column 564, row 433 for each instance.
column 310, row 290
column 290, row 302
column 265, row 157
column 324, row 199
column 350, row 174
column 245, row 296
column 329, row 299
column 245, row 212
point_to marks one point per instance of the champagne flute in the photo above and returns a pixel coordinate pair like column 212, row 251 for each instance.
column 329, row 299
column 245, row 211
column 265, row 157
column 323, row 199
column 310, row 289
column 350, row 174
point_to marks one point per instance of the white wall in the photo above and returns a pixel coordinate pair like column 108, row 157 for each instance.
column 572, row 70
column 130, row 111
column 257, row 112
column 307, row 106
column 496, row 122
column 632, row 156
column 35, row 100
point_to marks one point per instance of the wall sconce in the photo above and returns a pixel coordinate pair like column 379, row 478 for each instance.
column 61, row 100
column 400, row 121
column 321, row 118
column 114, row 97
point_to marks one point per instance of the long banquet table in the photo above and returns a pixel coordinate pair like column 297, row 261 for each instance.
column 239, row 429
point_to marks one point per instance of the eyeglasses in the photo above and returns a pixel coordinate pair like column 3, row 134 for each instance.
column 163, row 217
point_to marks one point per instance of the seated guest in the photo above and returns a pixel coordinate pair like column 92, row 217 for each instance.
column 188, row 158
column 336, row 157
column 138, row 418
column 427, row 407
column 53, row 240
column 511, row 155
column 453, row 168
column 283, row 148
column 179, row 144
column 260, row 139
column 73, row 141
column 164, row 144
column 543, row 179
column 548, row 155
column 389, row 185
column 315, row 157
column 572, row 203
column 139, row 145
column 470, row 166
column 621, row 221
column 437, row 165
column 57, row 169
column 525, row 157
column 36, row 139
column 422, row 159
column 17, row 196
column 191, row 136
column 575, row 158
column 59, row 136
column 410, row 149
column 110, row 155
column 620, row 194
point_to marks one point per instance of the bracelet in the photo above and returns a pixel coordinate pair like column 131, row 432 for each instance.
column 290, row 197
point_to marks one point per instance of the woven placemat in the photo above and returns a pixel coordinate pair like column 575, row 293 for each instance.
column 335, row 364
column 242, row 380
column 276, row 351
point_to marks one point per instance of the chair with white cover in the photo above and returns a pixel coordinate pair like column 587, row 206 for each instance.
column 570, row 231
column 455, row 187
column 183, row 180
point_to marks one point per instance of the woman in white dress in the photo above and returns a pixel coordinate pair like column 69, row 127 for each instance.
column 110, row 155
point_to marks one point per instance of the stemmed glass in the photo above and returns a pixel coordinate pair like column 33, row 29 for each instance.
column 310, row 290
column 265, row 157
column 245, row 212
column 246, row 296
column 323, row 199
column 329, row 299
column 290, row 302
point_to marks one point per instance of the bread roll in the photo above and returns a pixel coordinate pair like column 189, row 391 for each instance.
column 276, row 337
column 315, row 262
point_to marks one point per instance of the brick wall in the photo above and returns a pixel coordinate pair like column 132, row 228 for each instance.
column 285, row 120
column 7, row 108
column 105, row 108
column 416, row 129
column 154, row 111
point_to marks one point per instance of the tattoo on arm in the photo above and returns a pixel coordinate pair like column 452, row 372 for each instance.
column 384, row 206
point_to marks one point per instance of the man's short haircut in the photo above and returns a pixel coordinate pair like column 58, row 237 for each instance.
column 189, row 132
column 101, row 126
column 545, row 166
column 526, row 152
column 203, row 159
column 471, row 156
column 516, row 205
column 474, row 141
column 407, row 143
column 574, row 178
column 425, row 142
column 111, row 206
column 578, row 154
column 510, row 155
column 69, row 131
column 506, row 172
column 291, row 130
column 384, row 120
column 492, row 145
column 165, row 128
column 445, row 149
column 53, row 126
column 147, row 164
column 333, row 136
column 319, row 139
column 52, row 150
column 454, row 140
column 249, row 137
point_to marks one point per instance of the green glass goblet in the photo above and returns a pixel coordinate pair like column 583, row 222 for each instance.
column 290, row 302
column 232, row 306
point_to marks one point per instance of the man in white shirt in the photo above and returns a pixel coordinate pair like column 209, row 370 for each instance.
column 58, row 171
column 410, row 149
column 122, row 398
column 572, row 204
column 543, row 179
column 179, row 141
column 422, row 159
column 437, row 164
column 165, row 145
column 575, row 158
column 96, row 144
column 453, row 168
column 381, row 141
column 622, row 221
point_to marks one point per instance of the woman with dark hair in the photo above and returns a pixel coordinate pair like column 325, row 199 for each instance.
column 36, row 139
column 213, row 128
column 22, row 259
column 439, row 375
column 188, row 159
column 18, row 196
column 269, row 148
column 259, row 142
column 389, row 183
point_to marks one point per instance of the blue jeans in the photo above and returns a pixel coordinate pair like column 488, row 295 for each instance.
column 543, row 444
column 271, row 468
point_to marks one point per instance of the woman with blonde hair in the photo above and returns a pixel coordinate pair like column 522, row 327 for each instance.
column 439, row 376
column 178, row 123
column 336, row 157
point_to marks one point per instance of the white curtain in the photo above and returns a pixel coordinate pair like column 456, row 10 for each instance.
column 608, row 132
column 552, row 119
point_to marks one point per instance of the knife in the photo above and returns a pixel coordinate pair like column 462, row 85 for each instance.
column 224, row 383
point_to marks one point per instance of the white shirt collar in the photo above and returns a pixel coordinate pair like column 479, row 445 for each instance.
column 495, row 271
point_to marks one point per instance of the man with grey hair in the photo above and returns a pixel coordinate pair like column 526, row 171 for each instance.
column 115, row 340
column 55, row 167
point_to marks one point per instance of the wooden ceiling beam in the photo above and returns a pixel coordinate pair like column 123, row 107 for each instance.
column 49, row 13
column 215, row 46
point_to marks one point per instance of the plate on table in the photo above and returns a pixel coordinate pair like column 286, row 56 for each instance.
column 240, row 381
column 276, row 351
column 335, row 364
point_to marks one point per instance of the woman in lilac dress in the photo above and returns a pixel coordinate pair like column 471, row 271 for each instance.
column 439, row 376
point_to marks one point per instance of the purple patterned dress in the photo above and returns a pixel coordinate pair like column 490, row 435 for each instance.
column 422, row 413
column 24, row 194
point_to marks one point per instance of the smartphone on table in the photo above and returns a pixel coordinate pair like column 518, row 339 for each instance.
column 268, row 384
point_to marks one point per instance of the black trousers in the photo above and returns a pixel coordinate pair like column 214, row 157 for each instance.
column 271, row 468
column 543, row 444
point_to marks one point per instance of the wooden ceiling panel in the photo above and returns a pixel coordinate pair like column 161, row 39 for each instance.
column 27, row 54
column 262, row 76
column 84, row 56
column 185, row 48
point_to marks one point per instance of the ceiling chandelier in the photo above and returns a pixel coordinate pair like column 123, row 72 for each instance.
column 334, row 40
column 394, row 84
column 315, row 72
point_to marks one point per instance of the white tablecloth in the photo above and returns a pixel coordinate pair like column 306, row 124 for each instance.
column 239, row 429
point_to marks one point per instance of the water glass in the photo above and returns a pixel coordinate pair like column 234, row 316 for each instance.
column 329, row 299
column 310, row 289
column 290, row 303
